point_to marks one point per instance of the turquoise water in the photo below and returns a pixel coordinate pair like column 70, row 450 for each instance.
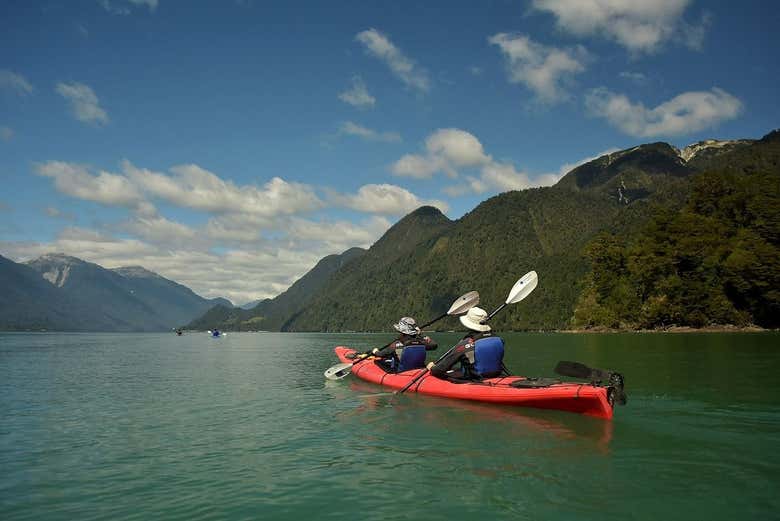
column 155, row 426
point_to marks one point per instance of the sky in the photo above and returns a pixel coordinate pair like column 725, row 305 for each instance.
column 229, row 145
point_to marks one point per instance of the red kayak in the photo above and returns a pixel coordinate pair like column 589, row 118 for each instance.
column 582, row 398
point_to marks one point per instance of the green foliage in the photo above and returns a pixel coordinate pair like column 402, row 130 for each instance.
column 655, row 257
column 716, row 261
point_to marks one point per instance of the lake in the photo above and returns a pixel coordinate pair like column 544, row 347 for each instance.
column 159, row 426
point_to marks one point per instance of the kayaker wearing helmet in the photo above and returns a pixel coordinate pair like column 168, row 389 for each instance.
column 480, row 354
column 408, row 351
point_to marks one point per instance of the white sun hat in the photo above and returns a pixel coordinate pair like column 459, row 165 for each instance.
column 474, row 318
column 407, row 326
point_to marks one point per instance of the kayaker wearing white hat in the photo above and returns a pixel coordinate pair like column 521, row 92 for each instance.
column 408, row 351
column 480, row 354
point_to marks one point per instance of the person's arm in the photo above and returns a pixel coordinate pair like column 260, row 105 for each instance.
column 385, row 351
column 430, row 344
column 448, row 362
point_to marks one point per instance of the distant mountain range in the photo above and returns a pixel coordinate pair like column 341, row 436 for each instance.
column 426, row 260
column 423, row 262
column 59, row 292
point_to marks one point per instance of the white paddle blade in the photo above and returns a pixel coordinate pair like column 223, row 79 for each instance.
column 523, row 287
column 338, row 371
column 464, row 303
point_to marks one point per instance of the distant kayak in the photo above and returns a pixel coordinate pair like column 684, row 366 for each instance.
column 217, row 334
column 581, row 398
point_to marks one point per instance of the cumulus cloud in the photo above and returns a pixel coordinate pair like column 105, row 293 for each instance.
column 384, row 199
column 461, row 155
column 254, row 244
column 358, row 95
column 6, row 133
column 353, row 129
column 240, row 275
column 458, row 147
column 159, row 230
column 447, row 150
column 83, row 102
column 76, row 181
column 380, row 46
column 339, row 235
column 14, row 83
column 686, row 113
column 637, row 25
column 500, row 177
column 194, row 187
column 543, row 69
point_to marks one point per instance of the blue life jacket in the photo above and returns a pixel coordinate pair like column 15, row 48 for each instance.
column 412, row 357
column 488, row 356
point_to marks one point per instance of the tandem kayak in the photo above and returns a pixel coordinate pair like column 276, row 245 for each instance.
column 583, row 398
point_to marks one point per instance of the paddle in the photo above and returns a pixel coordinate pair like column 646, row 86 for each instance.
column 596, row 376
column 522, row 288
column 460, row 306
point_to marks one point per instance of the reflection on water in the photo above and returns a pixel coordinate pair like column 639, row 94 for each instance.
column 98, row 426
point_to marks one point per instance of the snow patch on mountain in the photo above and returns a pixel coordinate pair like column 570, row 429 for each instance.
column 689, row 152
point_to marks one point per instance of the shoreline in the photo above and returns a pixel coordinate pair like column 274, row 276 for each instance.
column 673, row 329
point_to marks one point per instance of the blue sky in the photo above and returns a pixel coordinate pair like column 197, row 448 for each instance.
column 229, row 145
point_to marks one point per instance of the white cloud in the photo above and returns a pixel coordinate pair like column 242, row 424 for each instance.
column 77, row 181
column 384, row 199
column 500, row 177
column 191, row 186
column 447, row 150
column 475, row 71
column 339, row 235
column 159, row 230
column 404, row 68
column 458, row 147
column 15, row 83
column 353, row 129
column 638, row 25
column 84, row 102
column 240, row 275
column 6, row 133
column 358, row 95
column 686, row 113
column 543, row 69
column 417, row 166
column 254, row 244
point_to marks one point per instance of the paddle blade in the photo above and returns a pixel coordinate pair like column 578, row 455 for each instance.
column 578, row 370
column 464, row 303
column 522, row 288
column 338, row 371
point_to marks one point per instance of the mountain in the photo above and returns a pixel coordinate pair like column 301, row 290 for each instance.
column 272, row 314
column 715, row 261
column 542, row 229
column 425, row 260
column 60, row 292
column 27, row 301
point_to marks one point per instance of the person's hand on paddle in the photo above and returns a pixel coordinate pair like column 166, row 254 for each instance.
column 430, row 365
